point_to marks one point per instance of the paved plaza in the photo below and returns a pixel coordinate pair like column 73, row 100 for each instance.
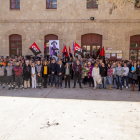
column 69, row 114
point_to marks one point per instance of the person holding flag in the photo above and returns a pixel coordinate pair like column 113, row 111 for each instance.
column 65, row 52
column 70, row 53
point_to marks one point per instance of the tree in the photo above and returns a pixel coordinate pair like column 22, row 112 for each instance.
column 118, row 3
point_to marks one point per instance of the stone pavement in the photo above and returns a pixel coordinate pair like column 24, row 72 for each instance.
column 80, row 113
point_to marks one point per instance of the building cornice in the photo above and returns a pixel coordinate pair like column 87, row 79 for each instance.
column 70, row 21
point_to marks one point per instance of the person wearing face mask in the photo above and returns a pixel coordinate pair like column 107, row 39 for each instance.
column 2, row 77
column 18, row 76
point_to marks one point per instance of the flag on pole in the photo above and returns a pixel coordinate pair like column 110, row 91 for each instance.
column 73, row 46
column 77, row 49
column 65, row 51
column 44, row 46
column 63, row 48
column 102, row 54
column 34, row 48
column 70, row 53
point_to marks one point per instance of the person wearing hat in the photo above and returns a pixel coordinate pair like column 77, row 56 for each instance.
column 2, row 77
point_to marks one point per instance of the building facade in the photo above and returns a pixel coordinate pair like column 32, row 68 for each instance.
column 24, row 22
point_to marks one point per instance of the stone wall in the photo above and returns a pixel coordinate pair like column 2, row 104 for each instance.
column 115, row 35
column 69, row 21
column 66, row 9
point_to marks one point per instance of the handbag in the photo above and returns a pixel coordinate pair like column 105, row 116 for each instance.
column 130, row 75
column 99, row 80
column 134, row 76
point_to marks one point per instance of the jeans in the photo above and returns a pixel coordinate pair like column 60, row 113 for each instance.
column 2, row 80
column 59, row 80
column 114, row 80
column 104, row 82
column 119, row 82
column 85, row 80
column 53, row 79
column 91, row 81
column 139, row 81
column 77, row 74
column 19, row 81
column 10, row 81
column 67, row 80
column 38, row 79
column 125, row 78
column 45, row 80
column 109, row 80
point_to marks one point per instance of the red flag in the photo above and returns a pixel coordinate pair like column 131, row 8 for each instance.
column 44, row 46
column 77, row 47
column 102, row 53
column 34, row 48
column 65, row 51
column 70, row 51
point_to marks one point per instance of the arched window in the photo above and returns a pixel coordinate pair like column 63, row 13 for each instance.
column 91, row 43
column 135, row 47
column 47, row 38
column 15, row 45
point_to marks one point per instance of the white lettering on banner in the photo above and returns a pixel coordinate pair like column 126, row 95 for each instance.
column 77, row 48
column 35, row 49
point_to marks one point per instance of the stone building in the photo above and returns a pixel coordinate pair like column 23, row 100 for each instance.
column 23, row 22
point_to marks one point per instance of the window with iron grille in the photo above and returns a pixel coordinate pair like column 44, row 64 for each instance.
column 92, row 4
column 51, row 4
column 14, row 4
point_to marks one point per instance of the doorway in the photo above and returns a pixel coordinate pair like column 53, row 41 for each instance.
column 15, row 45
column 91, row 43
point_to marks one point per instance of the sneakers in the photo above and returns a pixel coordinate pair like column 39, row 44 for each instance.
column 122, row 86
column 126, row 87
column 94, row 88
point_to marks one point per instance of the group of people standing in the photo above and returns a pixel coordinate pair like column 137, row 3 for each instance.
column 26, row 73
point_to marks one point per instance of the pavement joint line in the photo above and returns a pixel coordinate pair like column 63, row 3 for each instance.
column 9, row 134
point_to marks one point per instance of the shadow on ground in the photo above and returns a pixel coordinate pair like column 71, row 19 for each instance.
column 77, row 93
